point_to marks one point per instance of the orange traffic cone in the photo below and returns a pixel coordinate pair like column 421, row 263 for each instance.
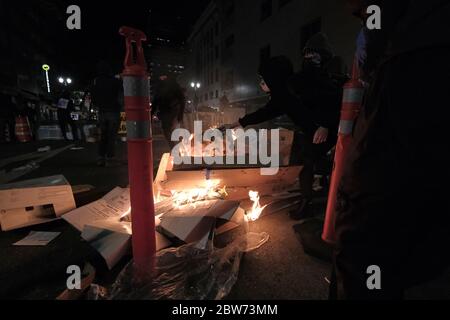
column 23, row 132
column 351, row 106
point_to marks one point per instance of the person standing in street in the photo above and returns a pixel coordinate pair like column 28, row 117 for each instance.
column 65, row 108
column 168, row 105
column 312, row 100
column 7, row 118
column 393, row 213
column 107, row 96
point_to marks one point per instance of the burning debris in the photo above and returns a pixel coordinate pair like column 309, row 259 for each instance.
column 211, row 191
column 256, row 211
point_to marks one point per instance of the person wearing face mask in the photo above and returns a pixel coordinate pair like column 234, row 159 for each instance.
column 311, row 99
column 319, row 86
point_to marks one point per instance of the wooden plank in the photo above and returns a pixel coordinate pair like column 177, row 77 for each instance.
column 241, row 193
column 161, row 174
column 181, row 180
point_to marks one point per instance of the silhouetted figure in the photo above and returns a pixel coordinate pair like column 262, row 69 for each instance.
column 168, row 105
column 7, row 118
column 65, row 108
column 107, row 96
column 393, row 208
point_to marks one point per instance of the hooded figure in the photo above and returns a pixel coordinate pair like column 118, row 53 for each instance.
column 275, row 75
column 312, row 99
column 107, row 96
column 393, row 208
column 319, row 86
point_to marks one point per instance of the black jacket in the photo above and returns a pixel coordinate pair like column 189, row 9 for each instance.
column 169, row 99
column 106, row 93
column 310, row 99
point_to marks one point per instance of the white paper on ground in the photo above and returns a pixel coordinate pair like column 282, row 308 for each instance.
column 112, row 206
column 100, row 225
column 38, row 239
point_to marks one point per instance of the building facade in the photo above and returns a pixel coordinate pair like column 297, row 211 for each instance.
column 28, row 40
column 166, row 49
column 231, row 38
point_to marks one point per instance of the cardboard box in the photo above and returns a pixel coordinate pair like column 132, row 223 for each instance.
column 194, row 223
column 102, row 227
column 36, row 201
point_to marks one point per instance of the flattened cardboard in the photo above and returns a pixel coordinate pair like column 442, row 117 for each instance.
column 100, row 225
column 194, row 223
column 36, row 201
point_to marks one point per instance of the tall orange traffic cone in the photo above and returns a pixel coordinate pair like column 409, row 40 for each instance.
column 351, row 106
column 23, row 131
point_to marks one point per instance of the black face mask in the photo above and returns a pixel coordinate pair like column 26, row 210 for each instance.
column 309, row 65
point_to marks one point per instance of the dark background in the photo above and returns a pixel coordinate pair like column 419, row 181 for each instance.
column 99, row 39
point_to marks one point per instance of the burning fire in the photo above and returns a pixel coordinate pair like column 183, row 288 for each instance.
column 210, row 192
column 234, row 134
column 256, row 210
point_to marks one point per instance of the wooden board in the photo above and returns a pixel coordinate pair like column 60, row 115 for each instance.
column 181, row 180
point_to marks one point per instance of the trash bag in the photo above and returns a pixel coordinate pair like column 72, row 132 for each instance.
column 185, row 273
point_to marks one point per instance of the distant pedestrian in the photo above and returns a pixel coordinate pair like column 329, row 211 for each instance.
column 65, row 107
column 7, row 118
column 169, row 104
column 107, row 96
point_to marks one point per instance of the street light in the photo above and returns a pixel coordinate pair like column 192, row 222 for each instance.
column 65, row 81
column 46, row 69
column 196, row 86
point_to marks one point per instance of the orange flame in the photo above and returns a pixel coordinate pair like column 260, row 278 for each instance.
column 210, row 192
column 256, row 210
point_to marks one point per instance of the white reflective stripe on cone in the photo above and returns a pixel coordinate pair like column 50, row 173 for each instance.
column 353, row 95
column 136, row 87
column 346, row 127
column 139, row 130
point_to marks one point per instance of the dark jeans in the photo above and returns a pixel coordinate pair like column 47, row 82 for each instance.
column 10, row 122
column 393, row 207
column 308, row 155
column 109, row 125
column 65, row 119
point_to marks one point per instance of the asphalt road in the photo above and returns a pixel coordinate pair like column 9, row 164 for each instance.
column 278, row 270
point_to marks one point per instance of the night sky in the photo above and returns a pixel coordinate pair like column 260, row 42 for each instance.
column 99, row 38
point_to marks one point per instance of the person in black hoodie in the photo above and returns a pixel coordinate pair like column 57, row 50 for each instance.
column 393, row 210
column 319, row 86
column 107, row 96
column 312, row 99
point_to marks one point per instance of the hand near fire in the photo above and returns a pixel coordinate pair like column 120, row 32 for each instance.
column 226, row 127
column 321, row 136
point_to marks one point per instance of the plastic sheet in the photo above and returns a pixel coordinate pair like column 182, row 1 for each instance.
column 185, row 273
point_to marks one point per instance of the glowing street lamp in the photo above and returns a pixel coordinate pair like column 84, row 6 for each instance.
column 195, row 85
column 65, row 81
column 46, row 68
